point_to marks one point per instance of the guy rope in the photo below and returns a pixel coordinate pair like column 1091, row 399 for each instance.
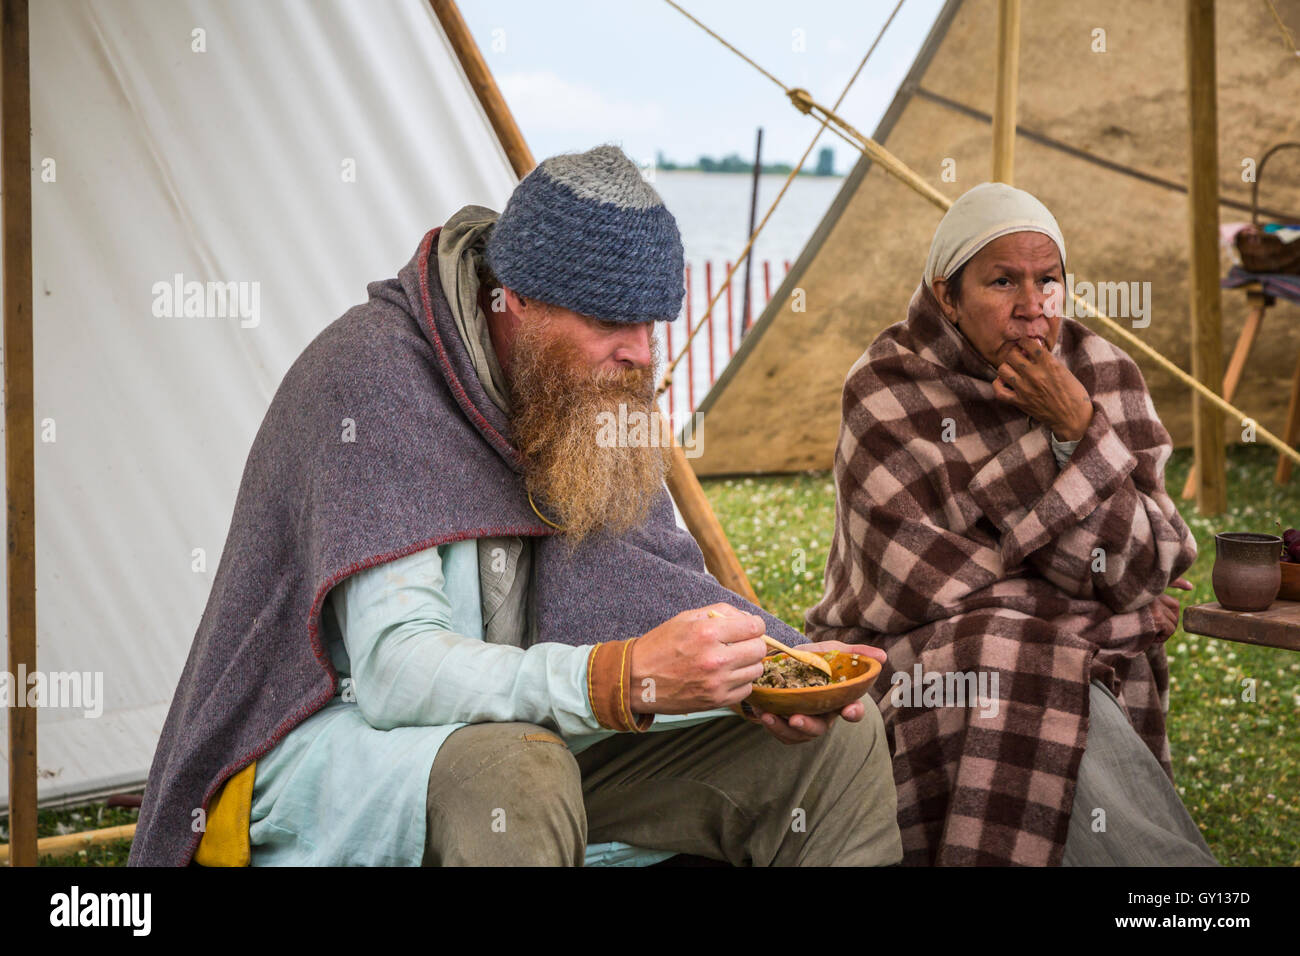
column 740, row 260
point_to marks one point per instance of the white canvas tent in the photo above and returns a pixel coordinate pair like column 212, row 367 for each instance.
column 211, row 140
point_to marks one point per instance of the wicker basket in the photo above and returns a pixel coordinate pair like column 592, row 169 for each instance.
column 1260, row 251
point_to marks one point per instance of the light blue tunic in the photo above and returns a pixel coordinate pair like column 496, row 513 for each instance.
column 348, row 785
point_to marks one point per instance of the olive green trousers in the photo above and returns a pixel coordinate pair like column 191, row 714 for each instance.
column 513, row 794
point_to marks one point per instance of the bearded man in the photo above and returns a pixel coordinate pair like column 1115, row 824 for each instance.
column 450, row 626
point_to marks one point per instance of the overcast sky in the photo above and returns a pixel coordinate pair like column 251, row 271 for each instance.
column 576, row 73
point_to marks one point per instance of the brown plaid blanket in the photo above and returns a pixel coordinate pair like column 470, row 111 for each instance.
column 961, row 547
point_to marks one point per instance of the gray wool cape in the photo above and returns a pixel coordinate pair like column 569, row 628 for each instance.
column 430, row 462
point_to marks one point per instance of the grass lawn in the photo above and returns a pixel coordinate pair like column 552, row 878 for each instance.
column 95, row 816
column 1237, row 764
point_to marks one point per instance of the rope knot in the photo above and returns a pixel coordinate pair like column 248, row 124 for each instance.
column 801, row 99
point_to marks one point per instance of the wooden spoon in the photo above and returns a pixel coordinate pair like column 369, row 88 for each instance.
column 803, row 657
column 815, row 661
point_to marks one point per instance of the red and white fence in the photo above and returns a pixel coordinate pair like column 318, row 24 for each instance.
column 713, row 346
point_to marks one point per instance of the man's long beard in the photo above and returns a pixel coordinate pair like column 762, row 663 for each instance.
column 556, row 399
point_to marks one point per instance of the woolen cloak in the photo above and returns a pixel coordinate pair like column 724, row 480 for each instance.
column 962, row 547
column 379, row 442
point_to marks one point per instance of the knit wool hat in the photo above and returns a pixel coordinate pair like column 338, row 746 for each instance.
column 586, row 232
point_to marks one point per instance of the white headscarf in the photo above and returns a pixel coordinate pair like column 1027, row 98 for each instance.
column 979, row 216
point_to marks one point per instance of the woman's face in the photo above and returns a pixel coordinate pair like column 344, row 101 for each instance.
column 1011, row 290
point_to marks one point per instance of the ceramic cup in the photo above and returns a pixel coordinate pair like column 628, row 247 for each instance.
column 1246, row 573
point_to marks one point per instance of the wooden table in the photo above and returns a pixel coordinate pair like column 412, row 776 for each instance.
column 1278, row 626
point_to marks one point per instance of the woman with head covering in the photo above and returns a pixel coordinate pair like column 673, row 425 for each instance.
column 1003, row 531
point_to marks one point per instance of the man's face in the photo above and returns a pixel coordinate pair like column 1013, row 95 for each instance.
column 564, row 371
column 605, row 345
column 1011, row 290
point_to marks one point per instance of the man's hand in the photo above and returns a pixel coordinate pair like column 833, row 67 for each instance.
column 1165, row 609
column 803, row 727
column 1034, row 381
column 698, row 661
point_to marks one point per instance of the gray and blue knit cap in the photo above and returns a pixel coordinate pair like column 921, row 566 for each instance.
column 586, row 232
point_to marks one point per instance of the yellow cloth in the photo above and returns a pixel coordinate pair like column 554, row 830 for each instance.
column 225, row 838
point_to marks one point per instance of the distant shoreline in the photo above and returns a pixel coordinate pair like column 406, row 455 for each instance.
column 746, row 173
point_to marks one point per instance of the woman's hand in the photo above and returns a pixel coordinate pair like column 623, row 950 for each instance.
column 1034, row 381
column 1165, row 609
column 804, row 727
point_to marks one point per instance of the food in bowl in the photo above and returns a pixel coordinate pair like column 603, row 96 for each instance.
column 851, row 676
column 782, row 671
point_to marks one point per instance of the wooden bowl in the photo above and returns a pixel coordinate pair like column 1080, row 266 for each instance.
column 859, row 674
column 1290, row 590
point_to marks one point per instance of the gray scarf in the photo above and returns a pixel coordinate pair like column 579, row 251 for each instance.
column 460, row 257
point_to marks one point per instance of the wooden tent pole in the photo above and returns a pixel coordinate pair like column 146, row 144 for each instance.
column 70, row 843
column 1203, row 235
column 705, row 526
column 1004, row 104
column 685, row 488
column 20, row 478
column 485, row 86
